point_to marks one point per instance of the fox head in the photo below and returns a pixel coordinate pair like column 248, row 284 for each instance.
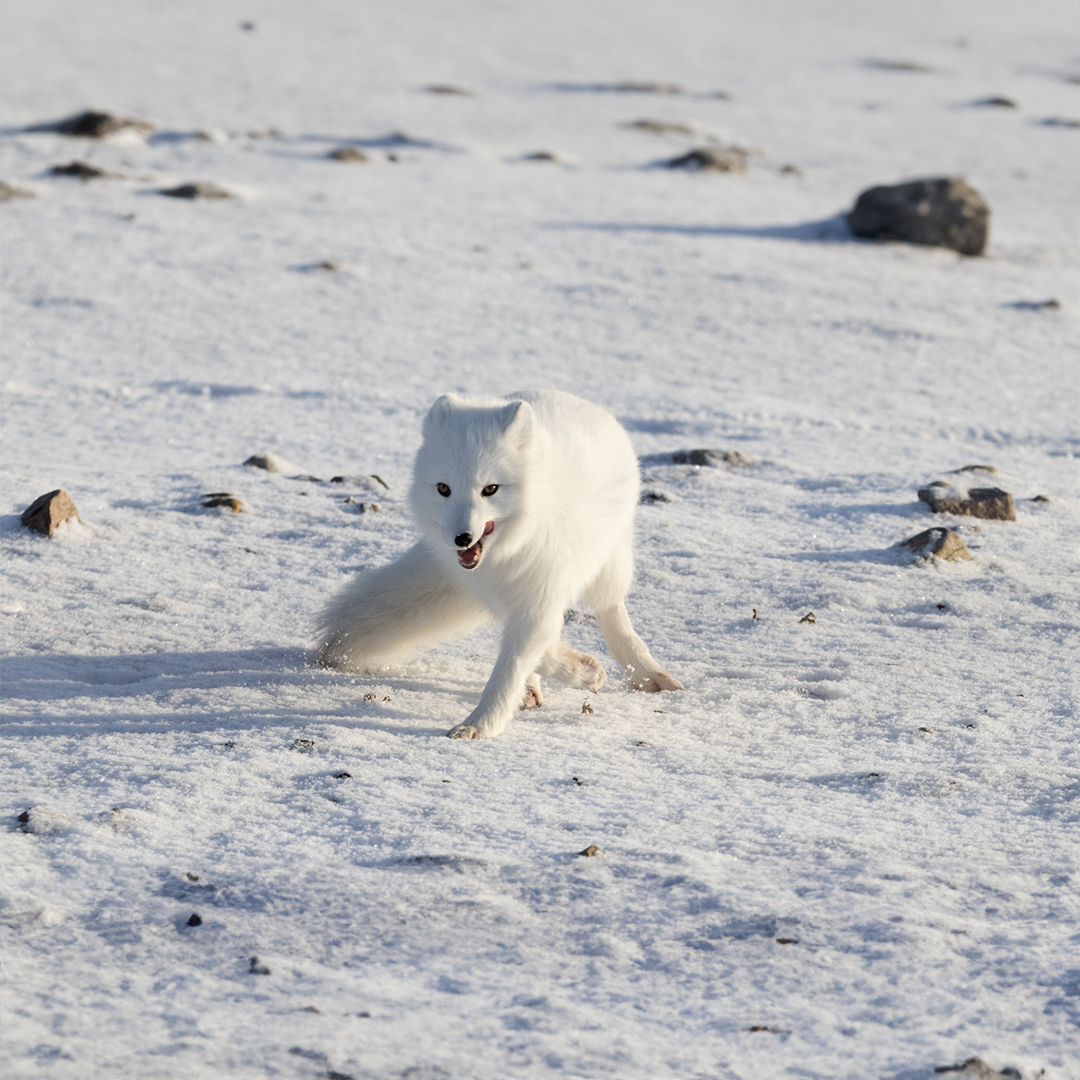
column 471, row 475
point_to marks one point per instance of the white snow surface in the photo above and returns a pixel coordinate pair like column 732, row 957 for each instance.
column 848, row 850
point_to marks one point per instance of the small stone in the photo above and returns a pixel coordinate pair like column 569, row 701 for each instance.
column 200, row 190
column 711, row 159
column 258, row 968
column 348, row 153
column 707, row 458
column 448, row 89
column 223, row 498
column 990, row 504
column 787, row 941
column 661, row 127
column 648, row 497
column 44, row 514
column 937, row 543
column 8, row 192
column 541, row 155
column 1036, row 305
column 790, row 170
column 1060, row 122
column 303, row 746
column 272, row 463
column 82, row 171
column 195, row 920
column 996, row 103
column 941, row 211
column 1040, row 499
column 898, row 65
column 592, row 852
column 248, row 26
column 93, row 125
column 810, row 618
column 977, row 1069
column 343, row 776
column 974, row 468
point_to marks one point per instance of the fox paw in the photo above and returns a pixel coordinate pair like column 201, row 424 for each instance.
column 590, row 672
column 533, row 698
column 464, row 731
column 659, row 680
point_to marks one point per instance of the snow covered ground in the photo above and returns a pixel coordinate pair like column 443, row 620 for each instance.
column 848, row 851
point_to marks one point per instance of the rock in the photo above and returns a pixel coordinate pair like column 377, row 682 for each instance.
column 648, row 497
column 348, row 153
column 936, row 543
column 707, row 458
column 93, row 125
column 272, row 463
column 195, row 919
column 991, row 504
column 661, row 127
column 82, row 171
column 977, row 1069
column 711, row 159
column 8, row 192
column 940, row 211
column 448, row 89
column 199, row 190
column 592, row 852
column 256, row 968
column 1036, row 305
column 973, row 468
column 541, row 155
column 43, row 821
column 44, row 514
column 223, row 498
column 1060, row 122
column 996, row 103
column 898, row 65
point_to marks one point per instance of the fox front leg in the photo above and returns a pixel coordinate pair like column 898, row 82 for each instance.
column 522, row 647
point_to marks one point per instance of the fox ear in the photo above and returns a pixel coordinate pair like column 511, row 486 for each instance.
column 517, row 421
column 440, row 412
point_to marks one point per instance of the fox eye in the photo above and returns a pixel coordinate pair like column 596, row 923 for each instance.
column 443, row 490
column 490, row 489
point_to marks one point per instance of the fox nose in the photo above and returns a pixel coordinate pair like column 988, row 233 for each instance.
column 463, row 540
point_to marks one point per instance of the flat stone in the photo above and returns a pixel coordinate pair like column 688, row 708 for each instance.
column 711, row 159
column 937, row 543
column 991, row 504
column 448, row 89
column 940, row 211
column 198, row 190
column 44, row 514
column 661, row 127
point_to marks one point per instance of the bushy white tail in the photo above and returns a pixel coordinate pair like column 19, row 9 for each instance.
column 389, row 613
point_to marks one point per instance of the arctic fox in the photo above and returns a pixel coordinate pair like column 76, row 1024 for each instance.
column 525, row 505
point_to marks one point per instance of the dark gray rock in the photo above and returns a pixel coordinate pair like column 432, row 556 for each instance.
column 708, row 458
column 44, row 514
column 348, row 153
column 82, row 171
column 200, row 190
column 990, row 504
column 941, row 211
column 93, row 125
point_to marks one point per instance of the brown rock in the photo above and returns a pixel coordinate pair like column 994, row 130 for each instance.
column 708, row 458
column 44, row 514
column 348, row 153
column 662, row 127
column 937, row 543
column 592, row 851
column 223, row 498
column 991, row 504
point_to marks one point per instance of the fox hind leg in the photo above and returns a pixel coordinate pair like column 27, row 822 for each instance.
column 572, row 668
column 607, row 594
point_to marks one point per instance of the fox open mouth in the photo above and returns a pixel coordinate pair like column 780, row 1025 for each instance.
column 470, row 557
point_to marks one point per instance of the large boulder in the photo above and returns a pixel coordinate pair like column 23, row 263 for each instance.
column 943, row 212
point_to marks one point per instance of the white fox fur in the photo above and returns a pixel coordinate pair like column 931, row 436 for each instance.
column 525, row 506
